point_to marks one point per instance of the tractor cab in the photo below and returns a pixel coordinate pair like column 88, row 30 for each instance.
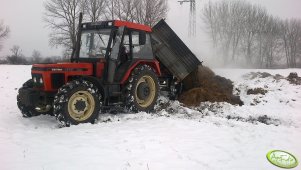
column 114, row 46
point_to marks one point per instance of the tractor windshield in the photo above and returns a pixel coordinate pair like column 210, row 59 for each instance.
column 94, row 43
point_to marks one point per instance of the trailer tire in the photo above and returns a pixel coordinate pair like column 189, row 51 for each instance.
column 142, row 89
column 78, row 101
column 30, row 111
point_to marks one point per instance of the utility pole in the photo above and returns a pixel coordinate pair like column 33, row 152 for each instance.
column 192, row 17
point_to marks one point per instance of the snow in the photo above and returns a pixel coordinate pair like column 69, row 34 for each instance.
column 210, row 136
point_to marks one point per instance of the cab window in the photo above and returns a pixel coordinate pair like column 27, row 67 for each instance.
column 141, row 45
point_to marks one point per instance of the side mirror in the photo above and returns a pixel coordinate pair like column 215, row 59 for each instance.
column 142, row 38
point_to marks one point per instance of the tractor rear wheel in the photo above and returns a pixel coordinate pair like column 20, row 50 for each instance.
column 30, row 111
column 77, row 102
column 142, row 89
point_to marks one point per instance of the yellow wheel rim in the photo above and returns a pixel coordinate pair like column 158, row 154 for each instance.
column 81, row 105
column 152, row 91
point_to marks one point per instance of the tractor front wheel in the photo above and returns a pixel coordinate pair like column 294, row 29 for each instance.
column 142, row 89
column 30, row 111
column 77, row 102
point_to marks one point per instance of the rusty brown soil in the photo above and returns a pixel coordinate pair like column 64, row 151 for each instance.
column 203, row 85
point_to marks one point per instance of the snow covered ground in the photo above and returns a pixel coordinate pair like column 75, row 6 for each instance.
column 211, row 136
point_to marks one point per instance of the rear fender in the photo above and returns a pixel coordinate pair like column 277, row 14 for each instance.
column 152, row 63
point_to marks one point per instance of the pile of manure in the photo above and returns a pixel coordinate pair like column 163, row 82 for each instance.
column 203, row 85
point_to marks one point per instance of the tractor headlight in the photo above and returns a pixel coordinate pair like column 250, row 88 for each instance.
column 37, row 79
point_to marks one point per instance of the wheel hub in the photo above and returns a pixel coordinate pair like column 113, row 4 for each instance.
column 143, row 90
column 80, row 105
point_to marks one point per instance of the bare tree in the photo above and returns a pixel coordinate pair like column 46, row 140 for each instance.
column 16, row 57
column 109, row 9
column 16, row 51
column 4, row 31
column 261, row 22
column 150, row 11
column 225, row 22
column 36, row 57
column 142, row 11
column 242, row 32
column 291, row 36
column 271, row 38
column 250, row 31
column 209, row 17
column 120, row 9
column 238, row 12
column 94, row 9
column 61, row 17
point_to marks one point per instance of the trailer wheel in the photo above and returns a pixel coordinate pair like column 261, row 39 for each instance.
column 142, row 89
column 30, row 111
column 77, row 102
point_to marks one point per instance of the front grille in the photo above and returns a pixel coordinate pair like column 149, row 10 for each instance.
column 57, row 80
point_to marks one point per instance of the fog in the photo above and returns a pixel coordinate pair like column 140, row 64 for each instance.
column 178, row 19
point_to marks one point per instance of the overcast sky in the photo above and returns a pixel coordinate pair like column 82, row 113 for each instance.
column 28, row 30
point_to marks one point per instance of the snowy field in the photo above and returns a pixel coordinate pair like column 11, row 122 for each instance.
column 211, row 136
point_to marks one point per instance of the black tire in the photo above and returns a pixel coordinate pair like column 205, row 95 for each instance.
column 78, row 101
column 142, row 89
column 30, row 111
column 175, row 91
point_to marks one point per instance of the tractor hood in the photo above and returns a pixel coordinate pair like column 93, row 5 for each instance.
column 50, row 77
column 63, row 67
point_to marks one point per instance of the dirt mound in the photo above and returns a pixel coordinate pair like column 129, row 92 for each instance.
column 262, row 119
column 203, row 85
column 257, row 90
column 253, row 75
column 294, row 79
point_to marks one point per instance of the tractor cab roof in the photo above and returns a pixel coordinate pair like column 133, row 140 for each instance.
column 115, row 23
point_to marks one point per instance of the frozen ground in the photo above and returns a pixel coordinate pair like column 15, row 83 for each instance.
column 211, row 136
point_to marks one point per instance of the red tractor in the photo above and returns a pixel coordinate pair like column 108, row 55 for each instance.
column 116, row 63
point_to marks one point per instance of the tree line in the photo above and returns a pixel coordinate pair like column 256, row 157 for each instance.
column 18, row 58
column 243, row 33
column 62, row 16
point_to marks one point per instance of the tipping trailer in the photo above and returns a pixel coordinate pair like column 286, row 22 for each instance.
column 115, row 63
column 171, row 51
column 174, row 56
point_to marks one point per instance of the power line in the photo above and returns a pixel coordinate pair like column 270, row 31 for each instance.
column 192, row 17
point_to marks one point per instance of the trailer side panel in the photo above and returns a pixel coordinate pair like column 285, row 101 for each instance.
column 171, row 51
